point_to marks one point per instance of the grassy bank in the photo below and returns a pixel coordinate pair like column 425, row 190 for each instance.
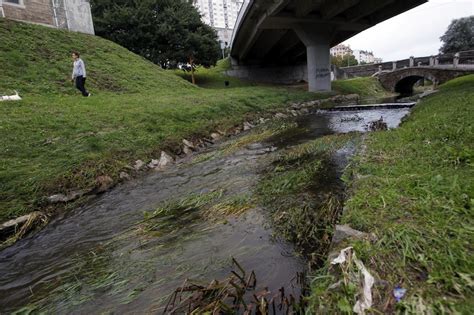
column 413, row 188
column 214, row 77
column 55, row 141
column 366, row 87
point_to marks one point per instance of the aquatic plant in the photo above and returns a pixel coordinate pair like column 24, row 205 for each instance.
column 235, row 294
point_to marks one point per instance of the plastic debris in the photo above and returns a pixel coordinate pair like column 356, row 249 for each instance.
column 365, row 301
column 342, row 256
column 14, row 97
column 399, row 293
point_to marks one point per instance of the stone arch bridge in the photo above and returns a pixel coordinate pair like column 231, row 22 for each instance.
column 402, row 80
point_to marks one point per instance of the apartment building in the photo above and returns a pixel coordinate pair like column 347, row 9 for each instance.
column 221, row 15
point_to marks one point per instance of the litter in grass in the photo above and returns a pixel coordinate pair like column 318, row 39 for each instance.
column 345, row 259
column 14, row 97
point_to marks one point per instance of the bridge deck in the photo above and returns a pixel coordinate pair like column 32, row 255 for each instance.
column 281, row 33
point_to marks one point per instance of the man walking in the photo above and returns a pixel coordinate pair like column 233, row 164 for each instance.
column 79, row 74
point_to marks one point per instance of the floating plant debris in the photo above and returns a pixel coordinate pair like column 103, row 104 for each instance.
column 237, row 294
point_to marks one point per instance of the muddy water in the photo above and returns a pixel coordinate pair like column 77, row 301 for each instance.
column 95, row 260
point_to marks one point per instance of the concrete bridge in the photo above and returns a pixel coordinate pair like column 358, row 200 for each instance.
column 284, row 41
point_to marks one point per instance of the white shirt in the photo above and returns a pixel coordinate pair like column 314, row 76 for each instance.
column 79, row 69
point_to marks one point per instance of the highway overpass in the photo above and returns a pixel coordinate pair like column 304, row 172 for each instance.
column 289, row 40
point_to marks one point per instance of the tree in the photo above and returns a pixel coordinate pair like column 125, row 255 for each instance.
column 166, row 32
column 344, row 61
column 459, row 36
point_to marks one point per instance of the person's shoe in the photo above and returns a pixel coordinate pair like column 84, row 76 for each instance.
column 89, row 95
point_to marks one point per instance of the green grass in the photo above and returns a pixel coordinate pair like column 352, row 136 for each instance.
column 36, row 60
column 54, row 144
column 55, row 141
column 414, row 190
column 366, row 86
column 214, row 78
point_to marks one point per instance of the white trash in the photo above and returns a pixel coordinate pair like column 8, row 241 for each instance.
column 365, row 301
column 14, row 97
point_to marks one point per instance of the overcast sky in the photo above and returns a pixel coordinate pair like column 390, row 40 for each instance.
column 413, row 33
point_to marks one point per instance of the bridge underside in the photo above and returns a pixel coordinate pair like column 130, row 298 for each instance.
column 281, row 34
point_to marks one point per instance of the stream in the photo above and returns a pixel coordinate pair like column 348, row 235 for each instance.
column 96, row 259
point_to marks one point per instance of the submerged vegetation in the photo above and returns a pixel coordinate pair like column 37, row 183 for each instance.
column 413, row 189
column 213, row 206
column 302, row 192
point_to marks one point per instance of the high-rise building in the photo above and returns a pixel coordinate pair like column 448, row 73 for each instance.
column 221, row 15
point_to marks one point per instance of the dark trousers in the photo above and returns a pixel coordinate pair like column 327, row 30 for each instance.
column 80, row 82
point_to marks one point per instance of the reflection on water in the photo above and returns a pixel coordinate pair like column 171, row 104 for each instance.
column 95, row 259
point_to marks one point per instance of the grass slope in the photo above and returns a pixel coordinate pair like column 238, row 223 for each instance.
column 56, row 141
column 366, row 86
column 415, row 192
column 37, row 60
column 214, row 78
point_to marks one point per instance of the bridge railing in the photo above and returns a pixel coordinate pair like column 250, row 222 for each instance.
column 452, row 59
column 455, row 60
column 466, row 57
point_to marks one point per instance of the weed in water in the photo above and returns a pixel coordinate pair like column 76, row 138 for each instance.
column 302, row 191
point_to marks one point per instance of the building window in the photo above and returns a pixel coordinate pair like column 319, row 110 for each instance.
column 14, row 2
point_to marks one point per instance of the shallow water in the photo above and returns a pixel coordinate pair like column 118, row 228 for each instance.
column 94, row 259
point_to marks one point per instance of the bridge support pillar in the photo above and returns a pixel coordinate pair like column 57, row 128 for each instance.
column 319, row 59
column 319, row 68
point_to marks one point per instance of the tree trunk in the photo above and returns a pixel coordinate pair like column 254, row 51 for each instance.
column 191, row 62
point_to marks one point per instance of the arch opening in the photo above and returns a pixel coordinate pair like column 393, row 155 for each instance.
column 405, row 86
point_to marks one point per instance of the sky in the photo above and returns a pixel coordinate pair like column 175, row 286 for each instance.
column 413, row 33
